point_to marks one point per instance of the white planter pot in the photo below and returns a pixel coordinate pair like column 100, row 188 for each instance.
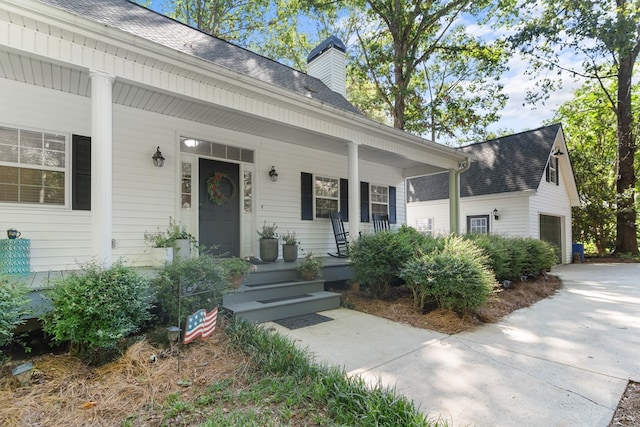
column 182, row 249
column 161, row 256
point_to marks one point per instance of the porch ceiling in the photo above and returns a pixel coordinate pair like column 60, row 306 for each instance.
column 24, row 69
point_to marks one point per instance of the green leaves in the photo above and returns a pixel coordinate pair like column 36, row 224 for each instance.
column 13, row 306
column 95, row 307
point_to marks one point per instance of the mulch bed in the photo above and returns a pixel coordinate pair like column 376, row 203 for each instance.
column 399, row 307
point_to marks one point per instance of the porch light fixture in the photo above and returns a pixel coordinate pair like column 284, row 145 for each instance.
column 558, row 152
column 496, row 214
column 158, row 159
column 273, row 175
column 23, row 373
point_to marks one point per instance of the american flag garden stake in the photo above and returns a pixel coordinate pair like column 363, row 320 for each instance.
column 200, row 324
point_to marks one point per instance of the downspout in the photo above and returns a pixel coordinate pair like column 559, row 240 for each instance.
column 454, row 195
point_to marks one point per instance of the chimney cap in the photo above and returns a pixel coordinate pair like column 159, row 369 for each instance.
column 330, row 42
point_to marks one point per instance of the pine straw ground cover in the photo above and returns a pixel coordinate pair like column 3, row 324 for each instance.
column 399, row 307
column 64, row 391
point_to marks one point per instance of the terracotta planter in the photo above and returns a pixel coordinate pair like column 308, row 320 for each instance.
column 268, row 250
column 289, row 253
column 236, row 281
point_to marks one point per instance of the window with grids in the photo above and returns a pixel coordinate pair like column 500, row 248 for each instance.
column 425, row 225
column 327, row 195
column 379, row 197
column 478, row 224
column 552, row 172
column 32, row 167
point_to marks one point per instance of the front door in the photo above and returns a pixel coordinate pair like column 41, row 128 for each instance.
column 219, row 207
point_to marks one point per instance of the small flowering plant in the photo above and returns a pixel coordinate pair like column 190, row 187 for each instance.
column 311, row 267
column 214, row 188
column 289, row 238
column 268, row 231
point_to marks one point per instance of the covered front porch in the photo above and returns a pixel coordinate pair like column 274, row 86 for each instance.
column 279, row 280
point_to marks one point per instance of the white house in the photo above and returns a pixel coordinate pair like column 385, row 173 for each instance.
column 517, row 185
column 91, row 89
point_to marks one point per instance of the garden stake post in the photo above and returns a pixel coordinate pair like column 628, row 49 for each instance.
column 181, row 294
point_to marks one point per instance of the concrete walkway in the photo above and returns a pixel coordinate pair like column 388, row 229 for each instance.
column 563, row 362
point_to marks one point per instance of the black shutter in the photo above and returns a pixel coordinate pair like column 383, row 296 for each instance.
column 547, row 171
column 392, row 205
column 557, row 172
column 364, row 202
column 80, row 173
column 306, row 190
column 344, row 199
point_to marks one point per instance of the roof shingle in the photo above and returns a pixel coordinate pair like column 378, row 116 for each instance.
column 507, row 164
column 137, row 20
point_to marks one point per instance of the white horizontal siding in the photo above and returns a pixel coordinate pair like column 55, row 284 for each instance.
column 513, row 219
column 145, row 196
column 437, row 210
column 60, row 238
column 553, row 200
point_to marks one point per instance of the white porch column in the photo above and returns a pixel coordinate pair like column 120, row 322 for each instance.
column 101, row 164
column 354, row 192
column 454, row 201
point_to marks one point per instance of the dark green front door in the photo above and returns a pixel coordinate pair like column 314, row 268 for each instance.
column 220, row 222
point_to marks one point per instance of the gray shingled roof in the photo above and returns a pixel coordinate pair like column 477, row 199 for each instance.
column 507, row 164
column 132, row 18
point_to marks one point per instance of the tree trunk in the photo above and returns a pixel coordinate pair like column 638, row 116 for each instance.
column 626, row 233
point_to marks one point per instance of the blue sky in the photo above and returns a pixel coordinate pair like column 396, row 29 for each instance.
column 515, row 116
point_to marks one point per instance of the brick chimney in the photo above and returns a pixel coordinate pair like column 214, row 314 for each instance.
column 327, row 62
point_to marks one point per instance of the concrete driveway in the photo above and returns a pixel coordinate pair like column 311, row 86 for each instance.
column 563, row 362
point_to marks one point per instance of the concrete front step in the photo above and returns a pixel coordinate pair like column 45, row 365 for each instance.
column 256, row 292
column 281, row 307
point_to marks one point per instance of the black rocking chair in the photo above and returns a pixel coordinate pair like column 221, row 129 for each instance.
column 380, row 222
column 341, row 236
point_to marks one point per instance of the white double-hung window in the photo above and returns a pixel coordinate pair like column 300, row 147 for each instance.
column 327, row 196
column 379, row 198
column 32, row 167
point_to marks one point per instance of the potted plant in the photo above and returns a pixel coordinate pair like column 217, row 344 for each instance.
column 289, row 246
column 310, row 267
column 235, row 270
column 161, row 247
column 182, row 239
column 268, row 242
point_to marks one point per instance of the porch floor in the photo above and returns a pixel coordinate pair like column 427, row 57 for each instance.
column 335, row 270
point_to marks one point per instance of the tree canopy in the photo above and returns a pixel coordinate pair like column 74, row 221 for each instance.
column 605, row 35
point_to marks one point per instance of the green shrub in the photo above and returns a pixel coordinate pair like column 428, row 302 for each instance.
column 13, row 307
column 541, row 256
column 513, row 257
column 456, row 277
column 496, row 248
column 376, row 259
column 97, row 306
column 204, row 283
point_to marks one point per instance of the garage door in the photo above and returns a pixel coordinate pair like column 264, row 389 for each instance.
column 551, row 231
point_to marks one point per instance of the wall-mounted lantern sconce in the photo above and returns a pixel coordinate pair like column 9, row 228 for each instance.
column 273, row 175
column 496, row 214
column 558, row 152
column 158, row 159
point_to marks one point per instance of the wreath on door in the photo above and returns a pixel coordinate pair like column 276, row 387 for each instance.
column 214, row 188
